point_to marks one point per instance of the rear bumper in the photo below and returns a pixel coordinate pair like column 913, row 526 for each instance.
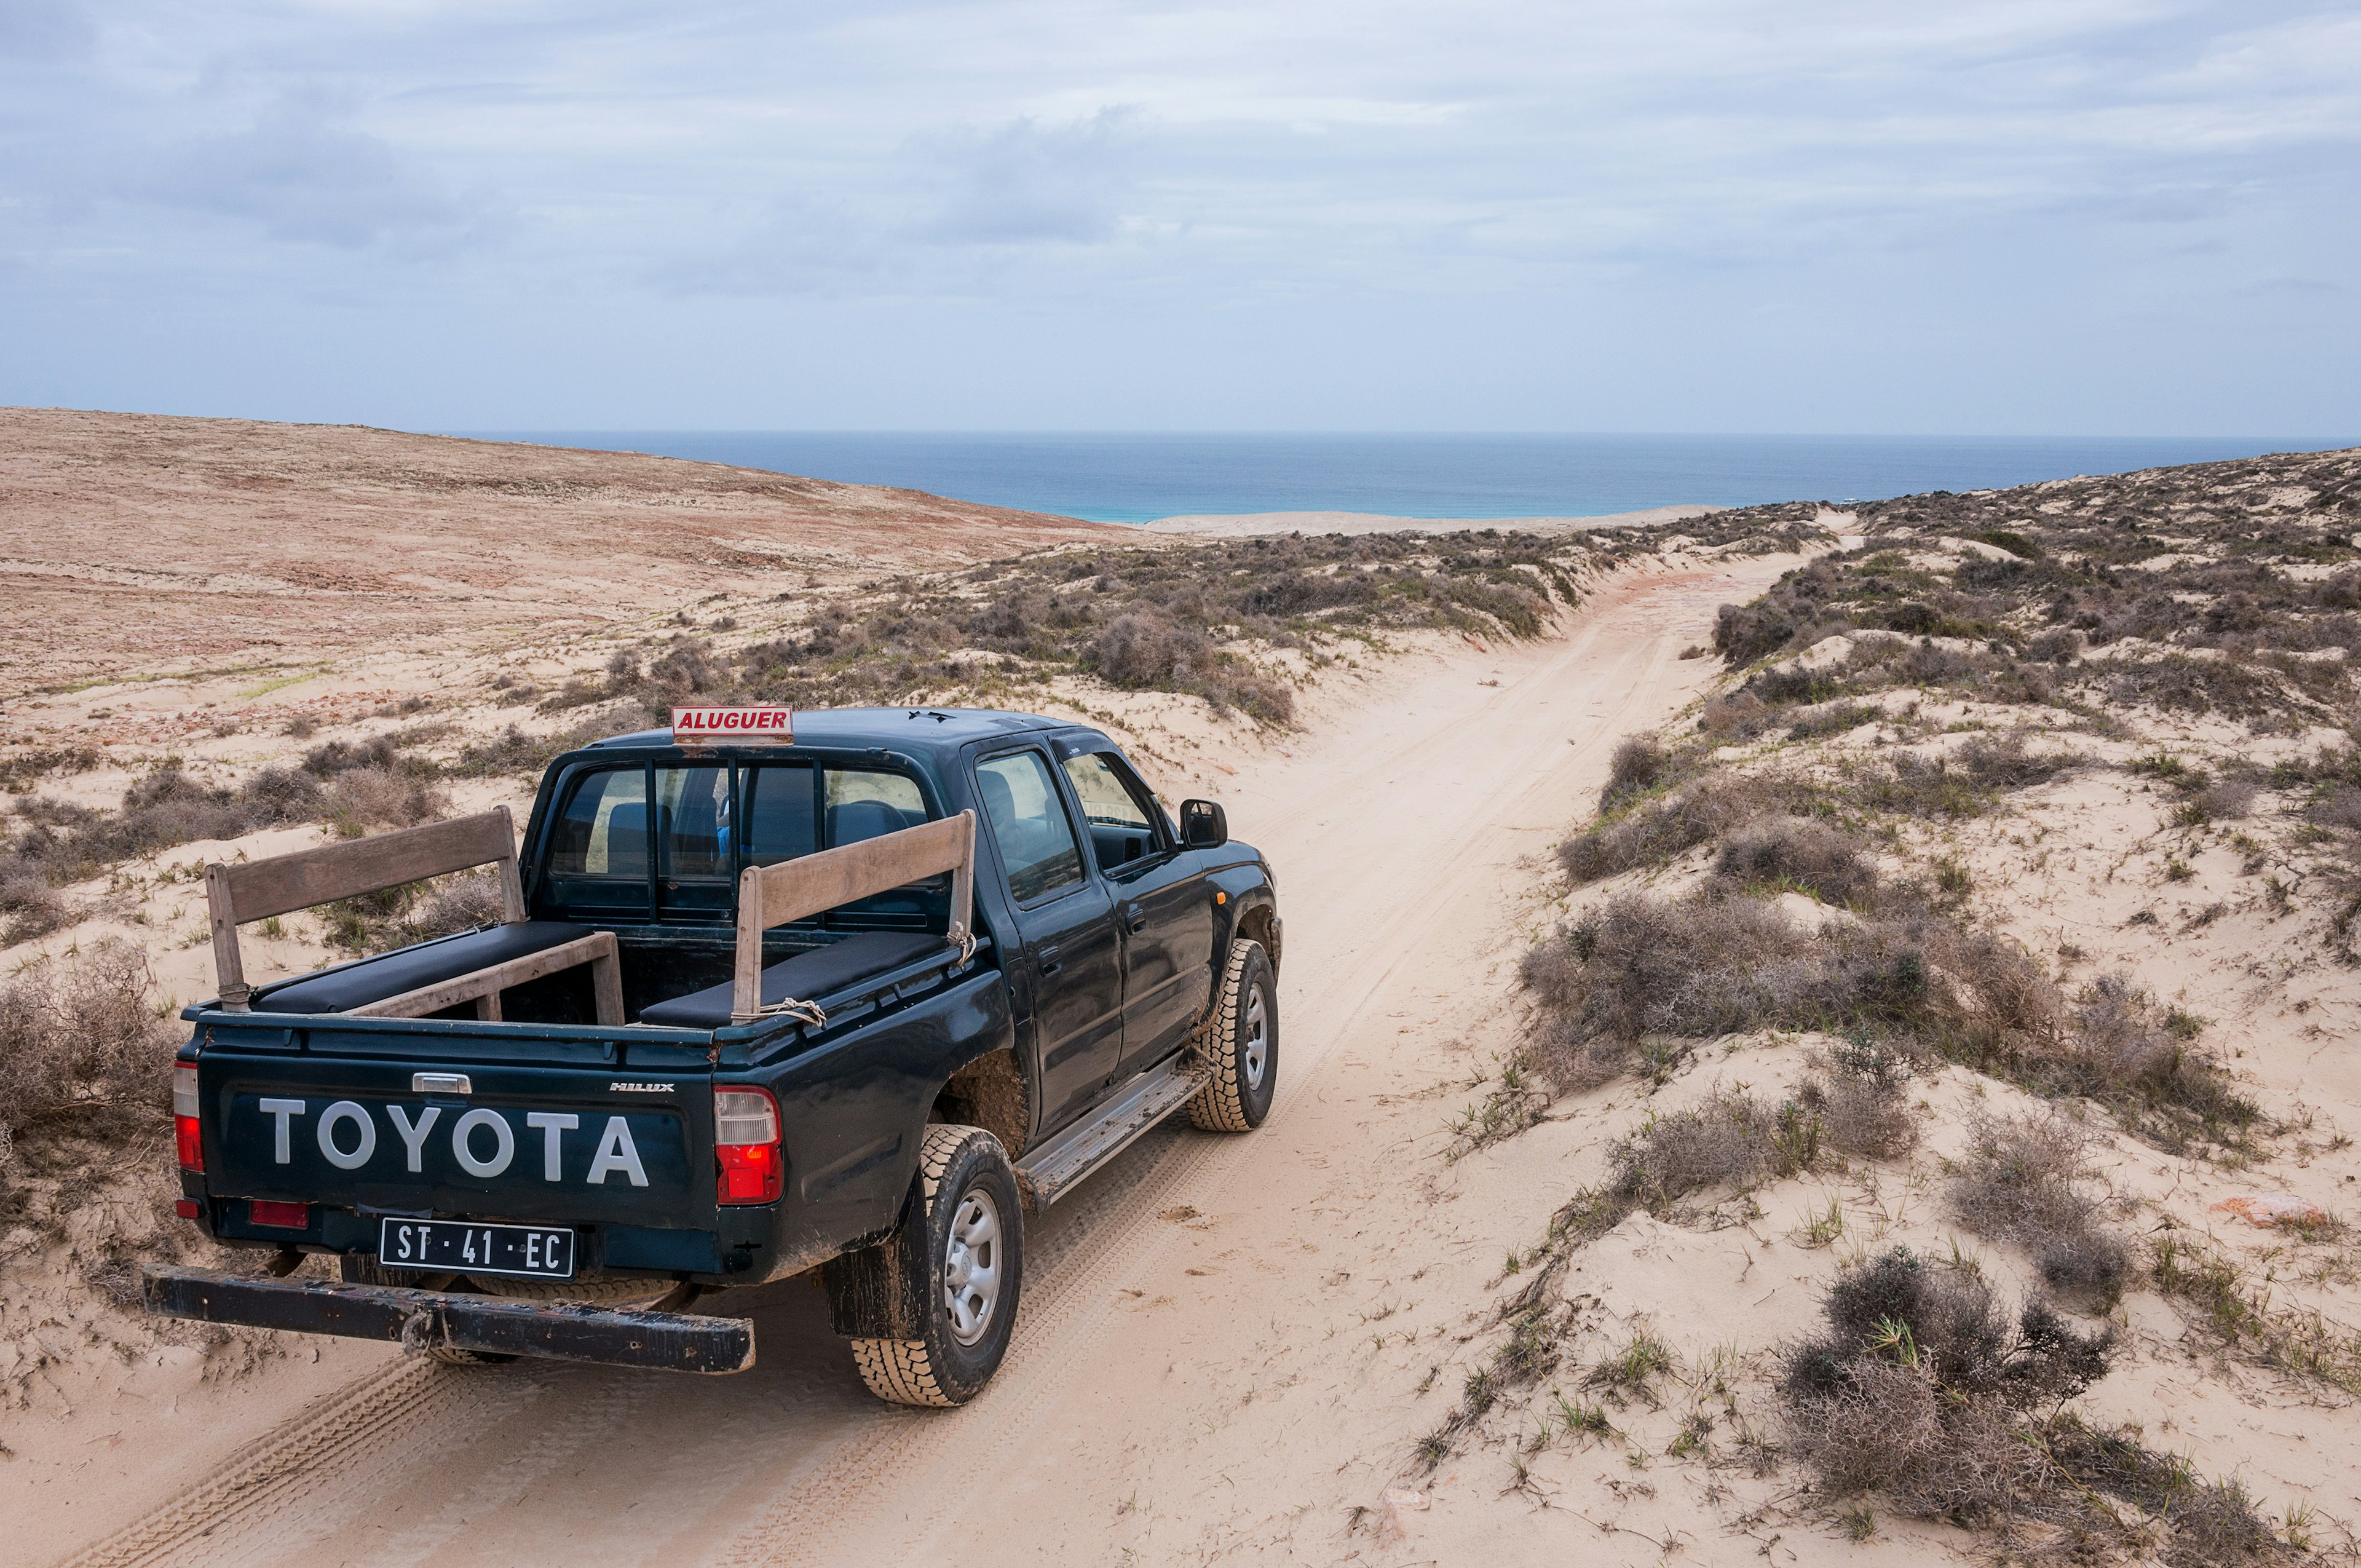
column 671, row 1341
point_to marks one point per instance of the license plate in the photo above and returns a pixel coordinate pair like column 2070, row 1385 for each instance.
column 458, row 1247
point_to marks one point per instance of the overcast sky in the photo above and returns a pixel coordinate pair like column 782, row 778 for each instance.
column 2052, row 217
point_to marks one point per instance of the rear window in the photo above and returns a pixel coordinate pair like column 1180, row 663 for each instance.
column 604, row 830
column 709, row 821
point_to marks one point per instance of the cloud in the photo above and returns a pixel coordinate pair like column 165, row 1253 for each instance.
column 798, row 246
column 46, row 31
column 1025, row 182
column 1529, row 188
column 305, row 179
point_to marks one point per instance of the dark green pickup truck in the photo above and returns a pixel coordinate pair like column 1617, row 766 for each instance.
column 855, row 997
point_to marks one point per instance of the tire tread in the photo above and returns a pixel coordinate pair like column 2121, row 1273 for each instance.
column 1220, row 1106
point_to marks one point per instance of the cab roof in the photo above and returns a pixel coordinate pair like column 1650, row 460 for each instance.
column 856, row 729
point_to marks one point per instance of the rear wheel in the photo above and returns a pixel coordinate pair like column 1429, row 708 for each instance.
column 959, row 1255
column 1239, row 1043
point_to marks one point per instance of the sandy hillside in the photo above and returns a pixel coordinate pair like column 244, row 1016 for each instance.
column 133, row 542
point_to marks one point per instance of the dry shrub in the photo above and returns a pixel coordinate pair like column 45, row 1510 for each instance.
column 1916, row 1388
column 1732, row 1139
column 65, row 841
column 2017, row 1182
column 2224, row 799
column 333, row 757
column 367, row 797
column 79, row 1038
column 2340, row 810
column 2006, row 762
column 1901, row 1308
column 1836, row 719
column 1861, row 1094
column 1790, row 852
column 2126, row 1042
column 414, row 912
column 1739, row 716
column 1923, row 1390
column 29, row 906
column 1705, row 965
column 515, row 751
column 1640, row 975
column 2207, row 1523
column 1149, row 650
column 1641, row 965
column 1654, row 830
column 1641, row 762
column 2178, row 683
column 1890, row 1428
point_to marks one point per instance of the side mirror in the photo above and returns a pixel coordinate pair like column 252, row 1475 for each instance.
column 1204, row 825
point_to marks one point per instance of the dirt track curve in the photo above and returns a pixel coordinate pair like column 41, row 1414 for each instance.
column 1401, row 828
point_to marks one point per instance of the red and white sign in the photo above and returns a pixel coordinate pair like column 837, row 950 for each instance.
column 734, row 726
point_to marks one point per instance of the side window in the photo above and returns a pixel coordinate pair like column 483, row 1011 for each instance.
column 1118, row 824
column 865, row 805
column 782, row 819
column 603, row 831
column 1036, row 842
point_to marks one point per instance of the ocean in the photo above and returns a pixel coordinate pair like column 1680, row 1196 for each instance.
column 1140, row 478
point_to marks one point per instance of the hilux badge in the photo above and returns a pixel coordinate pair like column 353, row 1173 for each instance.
column 620, row 1088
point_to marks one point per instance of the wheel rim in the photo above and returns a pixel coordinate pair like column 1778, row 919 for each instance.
column 971, row 1266
column 1258, row 1043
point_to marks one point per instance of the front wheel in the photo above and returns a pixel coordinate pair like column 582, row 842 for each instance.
column 964, row 1248
column 1238, row 1044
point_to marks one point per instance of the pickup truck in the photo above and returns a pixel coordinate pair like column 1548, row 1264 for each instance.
column 849, row 991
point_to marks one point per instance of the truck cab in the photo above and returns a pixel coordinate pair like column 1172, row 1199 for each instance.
column 719, row 1039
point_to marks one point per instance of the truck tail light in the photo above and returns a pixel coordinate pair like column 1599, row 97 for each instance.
column 746, row 1146
column 185, row 1133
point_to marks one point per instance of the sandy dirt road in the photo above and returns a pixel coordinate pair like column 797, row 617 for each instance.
column 1180, row 1388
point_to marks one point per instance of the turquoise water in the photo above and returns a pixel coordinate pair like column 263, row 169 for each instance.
column 1138, row 478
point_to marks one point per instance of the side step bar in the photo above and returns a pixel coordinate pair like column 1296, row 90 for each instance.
column 1048, row 1173
column 428, row 1319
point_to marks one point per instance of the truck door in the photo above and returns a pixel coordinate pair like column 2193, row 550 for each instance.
column 1162, row 908
column 1065, row 927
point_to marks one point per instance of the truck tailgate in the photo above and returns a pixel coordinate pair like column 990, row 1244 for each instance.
column 571, row 1144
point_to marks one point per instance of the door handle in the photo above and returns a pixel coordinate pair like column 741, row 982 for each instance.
column 1047, row 958
column 1135, row 919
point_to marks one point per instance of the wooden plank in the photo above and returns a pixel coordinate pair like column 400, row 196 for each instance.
column 230, row 967
column 798, row 889
column 962, row 923
column 310, row 877
column 607, row 987
column 512, row 882
column 490, row 982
